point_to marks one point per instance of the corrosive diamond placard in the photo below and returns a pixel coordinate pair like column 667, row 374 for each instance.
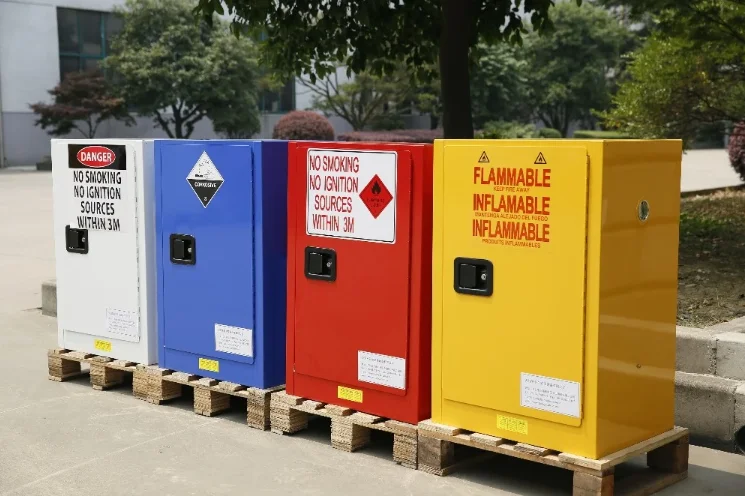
column 205, row 179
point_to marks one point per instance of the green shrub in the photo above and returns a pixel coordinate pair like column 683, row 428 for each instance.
column 507, row 130
column 550, row 133
column 303, row 125
column 600, row 135
column 386, row 122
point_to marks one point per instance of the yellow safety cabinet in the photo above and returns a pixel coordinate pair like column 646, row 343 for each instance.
column 555, row 269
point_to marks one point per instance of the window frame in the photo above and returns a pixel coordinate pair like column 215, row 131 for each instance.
column 104, row 17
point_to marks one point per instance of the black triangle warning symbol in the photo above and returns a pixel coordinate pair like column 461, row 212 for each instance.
column 484, row 158
column 540, row 160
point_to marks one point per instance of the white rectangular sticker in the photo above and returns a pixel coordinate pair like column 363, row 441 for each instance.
column 381, row 369
column 550, row 395
column 122, row 324
column 235, row 340
column 352, row 194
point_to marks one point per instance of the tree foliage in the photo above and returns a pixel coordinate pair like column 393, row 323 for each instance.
column 571, row 70
column 364, row 99
column 179, row 70
column 690, row 73
column 312, row 37
column 82, row 101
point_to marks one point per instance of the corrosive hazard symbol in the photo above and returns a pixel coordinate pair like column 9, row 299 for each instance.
column 351, row 194
column 205, row 179
column 540, row 159
column 484, row 158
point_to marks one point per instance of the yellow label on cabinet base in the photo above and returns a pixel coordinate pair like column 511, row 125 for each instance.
column 210, row 365
column 512, row 424
column 350, row 394
column 102, row 345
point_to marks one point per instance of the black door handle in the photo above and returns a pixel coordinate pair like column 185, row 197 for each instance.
column 183, row 249
column 76, row 240
column 320, row 263
column 473, row 276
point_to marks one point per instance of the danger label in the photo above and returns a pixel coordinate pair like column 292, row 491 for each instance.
column 99, row 174
column 512, row 204
column 352, row 195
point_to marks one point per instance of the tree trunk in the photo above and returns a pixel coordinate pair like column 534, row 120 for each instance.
column 457, row 28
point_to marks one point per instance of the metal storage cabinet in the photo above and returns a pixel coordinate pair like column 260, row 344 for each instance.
column 358, row 276
column 222, row 241
column 104, row 247
column 555, row 280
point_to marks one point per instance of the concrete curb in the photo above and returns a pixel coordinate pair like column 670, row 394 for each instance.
column 49, row 298
column 718, row 350
column 708, row 405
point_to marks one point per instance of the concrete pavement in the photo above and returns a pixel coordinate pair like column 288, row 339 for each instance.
column 66, row 439
column 707, row 169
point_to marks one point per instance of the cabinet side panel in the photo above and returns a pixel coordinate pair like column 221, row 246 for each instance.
column 638, row 292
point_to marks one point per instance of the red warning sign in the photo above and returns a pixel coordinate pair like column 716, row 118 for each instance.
column 376, row 196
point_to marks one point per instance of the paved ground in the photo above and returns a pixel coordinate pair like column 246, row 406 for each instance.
column 64, row 439
column 707, row 169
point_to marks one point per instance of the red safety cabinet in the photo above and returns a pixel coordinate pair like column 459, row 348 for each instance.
column 359, row 276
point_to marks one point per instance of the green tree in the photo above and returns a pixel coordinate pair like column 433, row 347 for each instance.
column 499, row 85
column 689, row 74
column 82, row 101
column 571, row 70
column 179, row 71
column 363, row 99
column 313, row 36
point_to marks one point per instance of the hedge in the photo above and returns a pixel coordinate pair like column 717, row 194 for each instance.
column 600, row 135
column 396, row 135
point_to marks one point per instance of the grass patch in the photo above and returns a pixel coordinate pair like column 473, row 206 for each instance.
column 711, row 268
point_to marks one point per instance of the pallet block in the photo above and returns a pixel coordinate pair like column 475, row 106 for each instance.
column 210, row 395
column 350, row 430
column 667, row 459
column 104, row 372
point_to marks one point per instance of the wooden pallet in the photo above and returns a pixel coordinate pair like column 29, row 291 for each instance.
column 667, row 459
column 104, row 372
column 350, row 430
column 156, row 385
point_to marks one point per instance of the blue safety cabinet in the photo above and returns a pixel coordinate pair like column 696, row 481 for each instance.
column 222, row 255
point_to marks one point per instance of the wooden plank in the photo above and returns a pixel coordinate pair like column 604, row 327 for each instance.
column 533, row 450
column 482, row 440
column 626, row 454
column 427, row 426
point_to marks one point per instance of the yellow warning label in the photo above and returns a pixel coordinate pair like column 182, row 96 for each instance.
column 102, row 345
column 350, row 394
column 211, row 365
column 512, row 424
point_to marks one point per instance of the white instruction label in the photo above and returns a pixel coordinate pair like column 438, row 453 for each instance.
column 122, row 324
column 235, row 340
column 352, row 194
column 550, row 395
column 381, row 369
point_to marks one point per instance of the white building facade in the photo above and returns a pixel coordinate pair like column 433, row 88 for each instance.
column 41, row 40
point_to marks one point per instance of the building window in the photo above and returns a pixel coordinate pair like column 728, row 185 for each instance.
column 84, row 38
column 279, row 101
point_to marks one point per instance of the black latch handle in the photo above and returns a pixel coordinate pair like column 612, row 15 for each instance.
column 76, row 240
column 320, row 263
column 183, row 249
column 473, row 276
